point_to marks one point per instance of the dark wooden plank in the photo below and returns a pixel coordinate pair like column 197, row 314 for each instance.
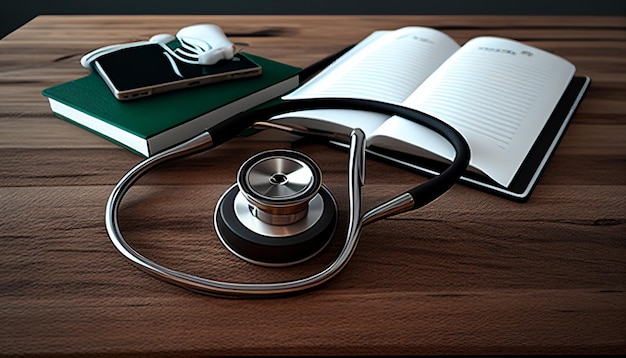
column 471, row 273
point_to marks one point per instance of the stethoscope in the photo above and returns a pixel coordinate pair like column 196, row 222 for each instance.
column 279, row 213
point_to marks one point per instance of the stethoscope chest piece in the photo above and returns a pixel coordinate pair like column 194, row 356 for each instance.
column 278, row 213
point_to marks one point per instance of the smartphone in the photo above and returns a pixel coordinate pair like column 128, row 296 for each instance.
column 148, row 69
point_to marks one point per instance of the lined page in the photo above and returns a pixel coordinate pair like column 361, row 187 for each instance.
column 386, row 66
column 498, row 93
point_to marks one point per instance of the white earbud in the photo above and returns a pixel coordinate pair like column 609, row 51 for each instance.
column 203, row 44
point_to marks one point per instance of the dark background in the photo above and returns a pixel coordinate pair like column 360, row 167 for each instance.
column 15, row 13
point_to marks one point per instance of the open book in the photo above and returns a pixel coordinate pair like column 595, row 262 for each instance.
column 499, row 93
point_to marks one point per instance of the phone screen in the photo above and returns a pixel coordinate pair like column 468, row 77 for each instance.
column 147, row 69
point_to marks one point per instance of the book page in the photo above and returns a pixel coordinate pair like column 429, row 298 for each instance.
column 498, row 93
column 386, row 66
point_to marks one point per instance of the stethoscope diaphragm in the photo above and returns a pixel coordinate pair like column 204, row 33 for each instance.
column 278, row 213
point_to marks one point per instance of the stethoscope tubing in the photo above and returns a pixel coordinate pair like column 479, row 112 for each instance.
column 222, row 288
column 411, row 199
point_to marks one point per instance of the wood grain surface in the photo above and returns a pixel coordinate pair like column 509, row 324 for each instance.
column 471, row 273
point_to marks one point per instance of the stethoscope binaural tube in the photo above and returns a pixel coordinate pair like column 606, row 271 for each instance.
column 412, row 199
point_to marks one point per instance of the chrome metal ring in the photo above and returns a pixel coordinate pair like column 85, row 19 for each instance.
column 279, row 185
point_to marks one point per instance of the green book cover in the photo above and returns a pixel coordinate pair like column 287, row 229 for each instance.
column 152, row 124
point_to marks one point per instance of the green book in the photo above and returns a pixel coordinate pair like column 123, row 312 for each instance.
column 149, row 125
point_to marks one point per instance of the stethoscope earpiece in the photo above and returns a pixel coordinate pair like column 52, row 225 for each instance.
column 278, row 213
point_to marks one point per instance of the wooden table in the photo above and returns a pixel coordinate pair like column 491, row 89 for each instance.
column 471, row 273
